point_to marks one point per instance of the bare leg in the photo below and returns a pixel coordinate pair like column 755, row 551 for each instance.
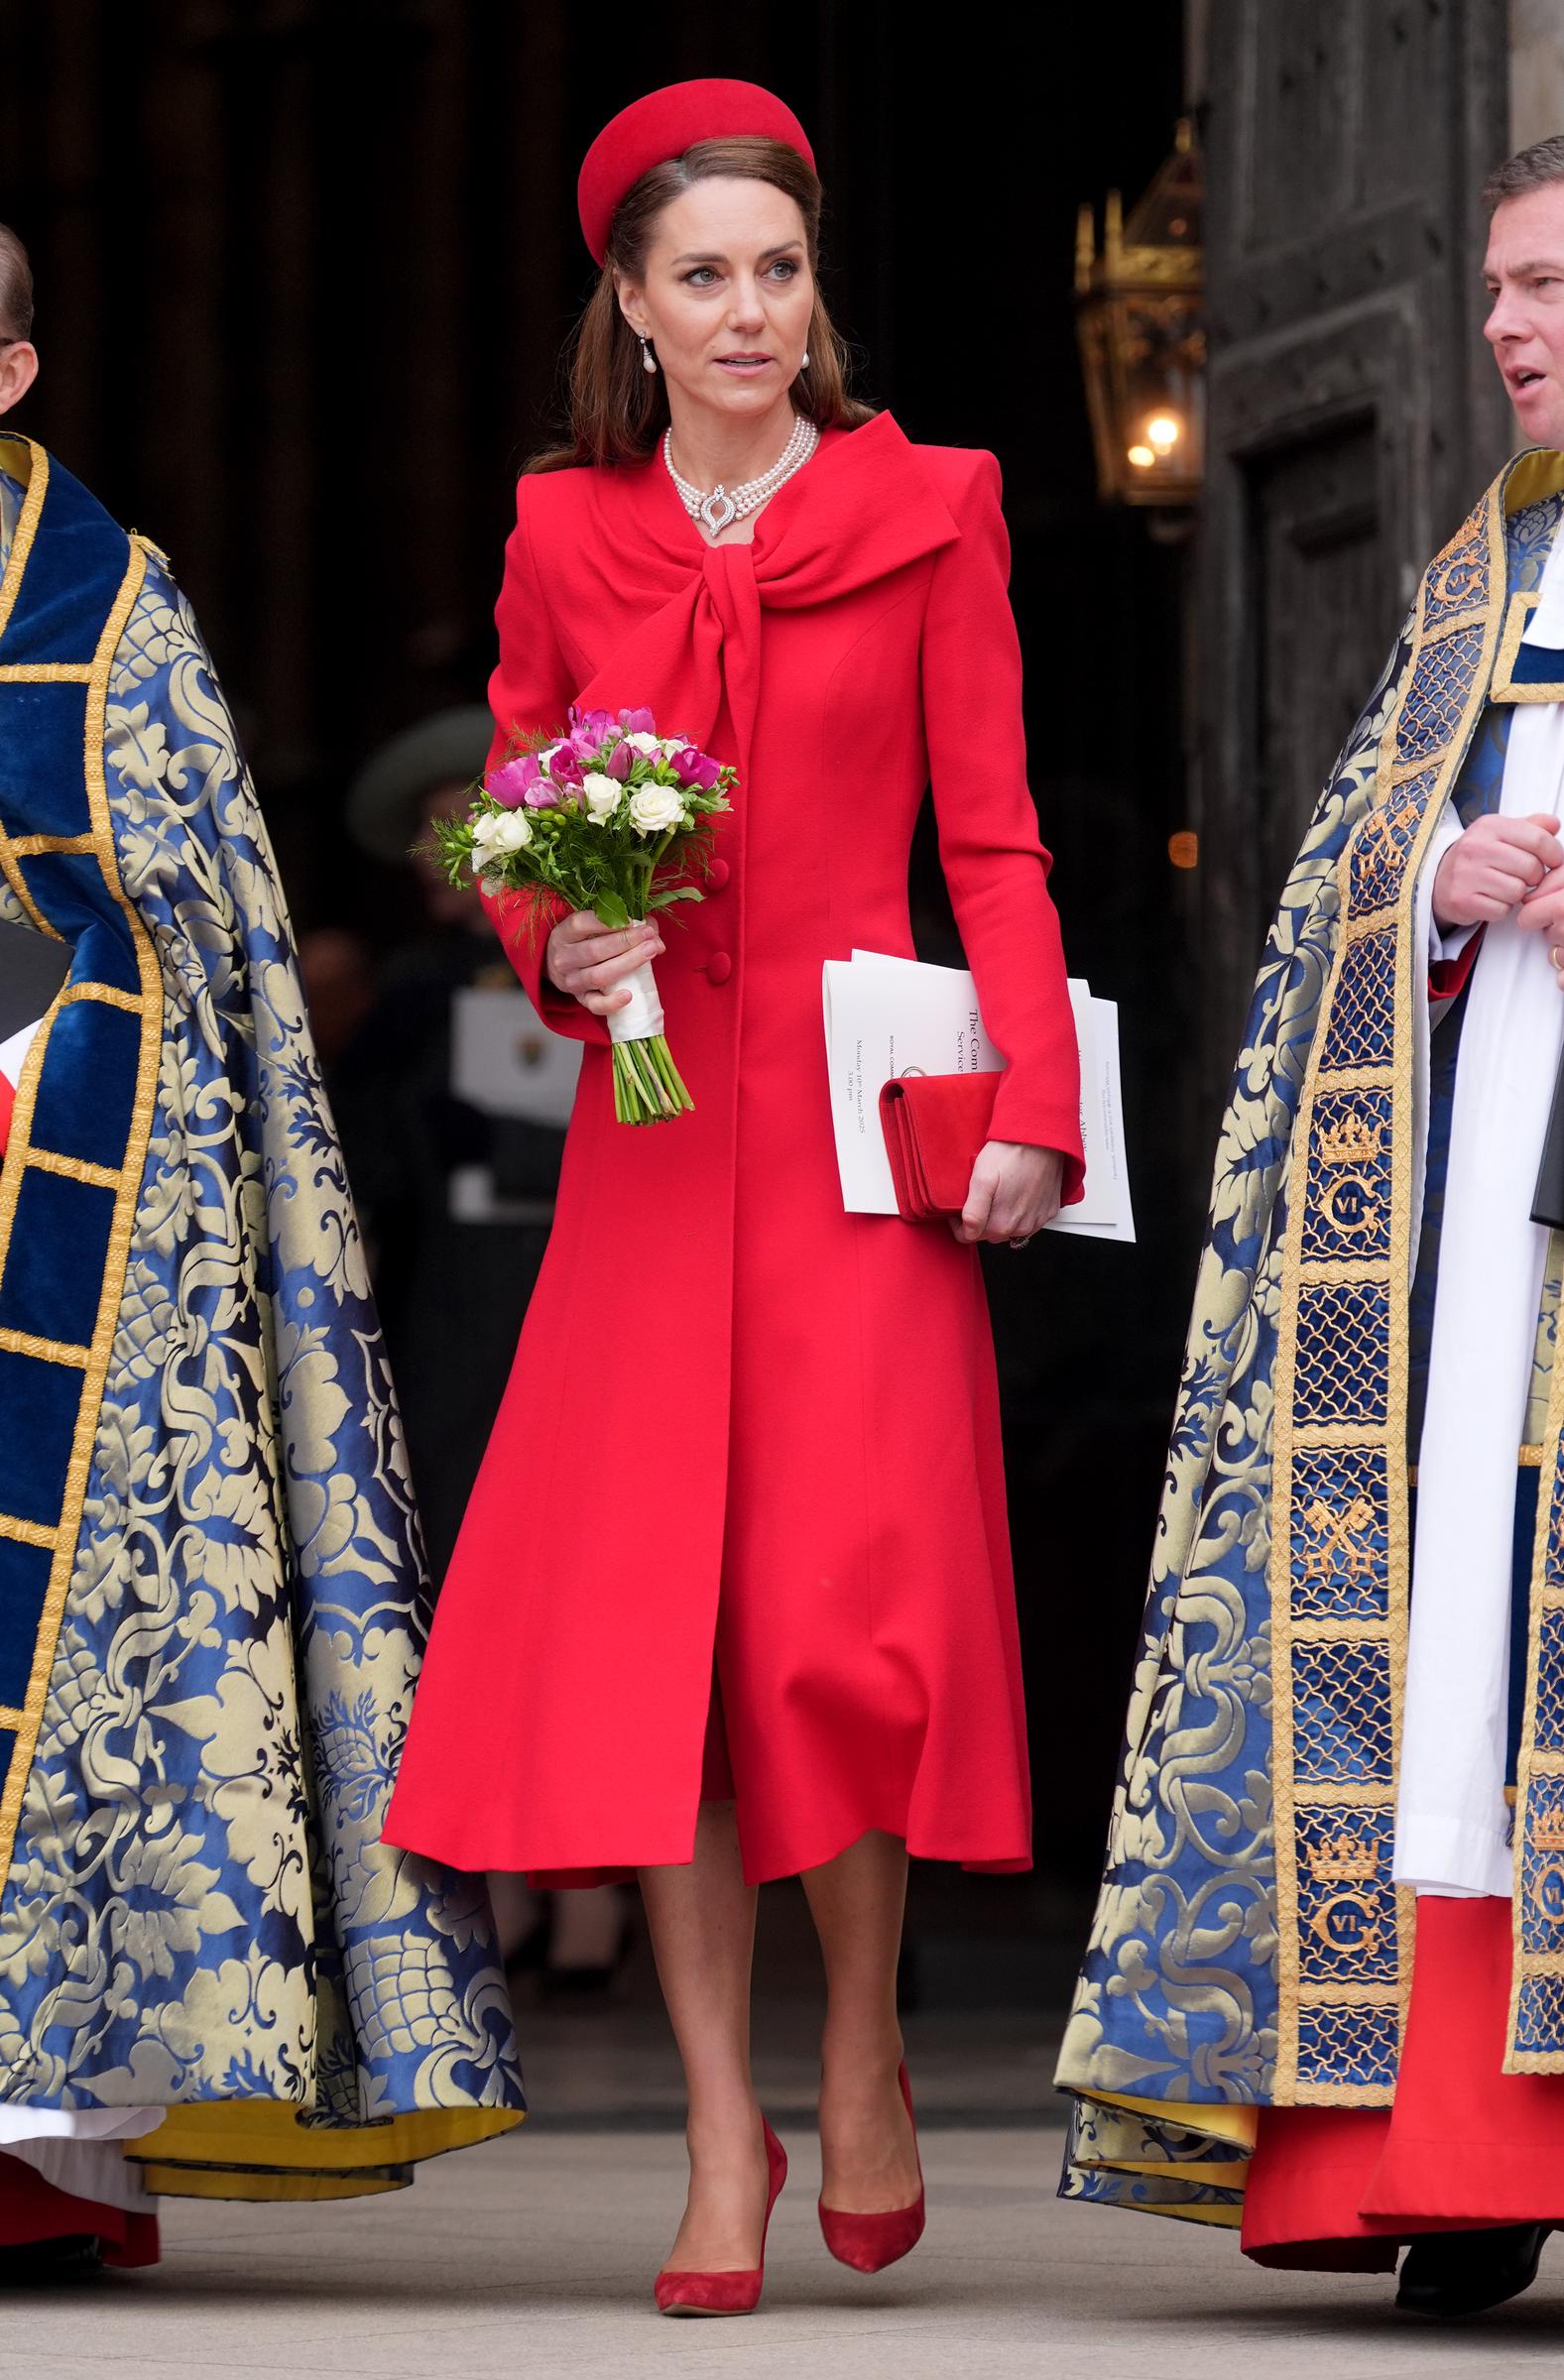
column 516, row 1910
column 868, row 2159
column 701, row 1919
column 587, row 1930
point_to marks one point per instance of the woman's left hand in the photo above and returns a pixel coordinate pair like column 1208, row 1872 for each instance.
column 1015, row 1192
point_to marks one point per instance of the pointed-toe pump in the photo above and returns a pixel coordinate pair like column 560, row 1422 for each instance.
column 869, row 2242
column 727, row 2293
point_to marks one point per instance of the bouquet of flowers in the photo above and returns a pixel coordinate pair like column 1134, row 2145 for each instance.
column 612, row 818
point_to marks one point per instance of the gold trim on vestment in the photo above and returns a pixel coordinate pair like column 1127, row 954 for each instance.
column 32, row 847
column 1413, row 787
column 74, row 1169
column 45, row 1351
column 1517, row 618
column 27, row 1532
column 266, row 2149
column 28, row 464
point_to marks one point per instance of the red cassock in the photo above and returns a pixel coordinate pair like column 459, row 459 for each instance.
column 743, row 1424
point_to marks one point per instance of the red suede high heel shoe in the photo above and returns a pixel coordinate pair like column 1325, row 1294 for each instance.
column 727, row 2293
column 869, row 2242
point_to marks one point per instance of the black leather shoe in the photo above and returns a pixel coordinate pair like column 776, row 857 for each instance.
column 1450, row 2273
column 45, row 2263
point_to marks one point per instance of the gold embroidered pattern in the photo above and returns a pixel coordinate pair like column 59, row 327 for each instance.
column 74, row 1169
column 1340, row 1530
column 42, row 1351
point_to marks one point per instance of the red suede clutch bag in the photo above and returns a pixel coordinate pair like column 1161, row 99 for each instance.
column 935, row 1126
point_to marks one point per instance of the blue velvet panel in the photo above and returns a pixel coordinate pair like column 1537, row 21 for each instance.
column 88, row 1043
column 1537, row 665
column 67, row 887
column 54, row 1276
column 73, row 575
column 105, row 954
column 41, row 723
column 24, row 1580
column 37, row 1407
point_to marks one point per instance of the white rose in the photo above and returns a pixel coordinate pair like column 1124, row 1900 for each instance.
column 654, row 808
column 602, row 796
column 648, row 747
column 510, row 833
column 672, row 746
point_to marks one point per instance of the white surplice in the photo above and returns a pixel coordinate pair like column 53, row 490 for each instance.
column 1452, row 1821
column 79, row 2150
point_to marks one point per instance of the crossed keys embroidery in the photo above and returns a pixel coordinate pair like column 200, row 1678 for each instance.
column 1336, row 1534
column 1381, row 827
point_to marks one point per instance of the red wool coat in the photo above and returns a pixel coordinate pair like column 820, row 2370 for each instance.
column 742, row 1423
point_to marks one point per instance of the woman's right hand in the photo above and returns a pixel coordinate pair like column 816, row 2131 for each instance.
column 592, row 962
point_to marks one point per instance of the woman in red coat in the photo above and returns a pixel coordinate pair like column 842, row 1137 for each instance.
column 733, row 1596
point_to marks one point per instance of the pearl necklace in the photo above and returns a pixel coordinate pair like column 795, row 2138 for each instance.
column 715, row 511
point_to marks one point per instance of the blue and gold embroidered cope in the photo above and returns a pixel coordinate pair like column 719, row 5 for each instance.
column 212, row 1597
column 1250, row 1946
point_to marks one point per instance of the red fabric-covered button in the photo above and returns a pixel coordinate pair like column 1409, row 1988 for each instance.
column 718, row 874
column 719, row 967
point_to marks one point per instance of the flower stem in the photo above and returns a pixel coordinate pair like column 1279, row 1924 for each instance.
column 647, row 1086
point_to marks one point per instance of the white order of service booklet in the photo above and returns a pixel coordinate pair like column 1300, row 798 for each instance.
column 887, row 1016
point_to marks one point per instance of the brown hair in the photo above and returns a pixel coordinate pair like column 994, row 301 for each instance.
column 1530, row 170
column 618, row 412
column 16, row 287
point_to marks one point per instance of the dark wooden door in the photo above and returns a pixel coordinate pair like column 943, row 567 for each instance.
column 1354, row 413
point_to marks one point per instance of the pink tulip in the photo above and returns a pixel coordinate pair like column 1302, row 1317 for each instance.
column 511, row 784
column 697, row 768
column 638, row 723
column 620, row 762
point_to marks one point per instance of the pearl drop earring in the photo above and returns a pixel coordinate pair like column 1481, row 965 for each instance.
column 649, row 362
column 805, row 366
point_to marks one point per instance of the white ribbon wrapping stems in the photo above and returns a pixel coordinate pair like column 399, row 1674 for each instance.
column 642, row 1019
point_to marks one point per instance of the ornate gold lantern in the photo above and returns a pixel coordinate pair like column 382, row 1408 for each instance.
column 1143, row 335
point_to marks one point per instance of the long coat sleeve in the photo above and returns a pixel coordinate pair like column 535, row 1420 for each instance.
column 747, row 1433
column 529, row 693
column 994, row 864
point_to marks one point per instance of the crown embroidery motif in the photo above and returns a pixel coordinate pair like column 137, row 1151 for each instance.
column 1351, row 1143
column 1344, row 1858
column 1548, row 1832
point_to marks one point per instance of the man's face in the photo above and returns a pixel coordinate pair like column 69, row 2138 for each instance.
column 1524, row 273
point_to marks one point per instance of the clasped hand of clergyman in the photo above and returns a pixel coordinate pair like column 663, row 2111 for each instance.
column 1503, row 864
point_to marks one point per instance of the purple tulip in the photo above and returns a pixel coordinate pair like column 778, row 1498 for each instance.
column 564, row 768
column 596, row 724
column 697, row 768
column 542, row 797
column 511, row 784
column 638, row 723
column 619, row 762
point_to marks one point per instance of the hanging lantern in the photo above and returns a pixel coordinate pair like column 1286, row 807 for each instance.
column 1142, row 336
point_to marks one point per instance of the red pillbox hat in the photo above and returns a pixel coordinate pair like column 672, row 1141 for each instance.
column 664, row 124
